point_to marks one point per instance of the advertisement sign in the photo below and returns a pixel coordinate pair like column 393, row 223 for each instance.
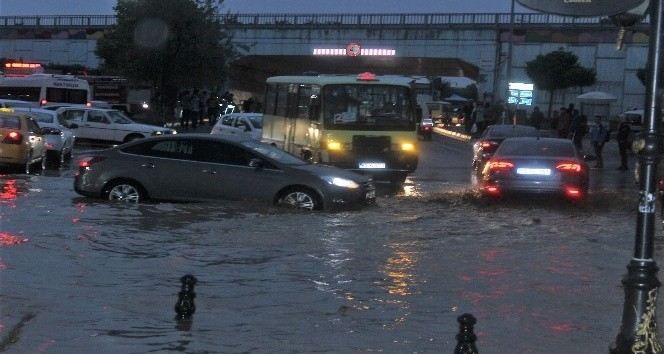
column 581, row 7
column 520, row 94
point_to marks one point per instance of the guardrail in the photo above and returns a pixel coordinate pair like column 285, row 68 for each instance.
column 324, row 20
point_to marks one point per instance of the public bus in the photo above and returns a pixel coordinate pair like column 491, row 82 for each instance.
column 46, row 89
column 365, row 123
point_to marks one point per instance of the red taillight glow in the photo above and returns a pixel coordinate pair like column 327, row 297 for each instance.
column 569, row 167
column 88, row 104
column 488, row 144
column 366, row 76
column 13, row 138
column 43, row 102
column 89, row 161
column 498, row 165
column 573, row 192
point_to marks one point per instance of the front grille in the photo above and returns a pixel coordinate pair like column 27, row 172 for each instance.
column 363, row 144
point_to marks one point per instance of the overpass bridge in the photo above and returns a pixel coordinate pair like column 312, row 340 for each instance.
column 472, row 44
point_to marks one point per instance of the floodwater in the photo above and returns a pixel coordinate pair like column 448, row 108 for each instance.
column 82, row 276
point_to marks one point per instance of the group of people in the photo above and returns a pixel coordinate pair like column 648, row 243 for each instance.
column 570, row 124
column 197, row 106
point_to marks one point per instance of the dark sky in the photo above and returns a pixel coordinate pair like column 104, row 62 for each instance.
column 75, row 7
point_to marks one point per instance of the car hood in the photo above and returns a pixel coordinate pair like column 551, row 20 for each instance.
column 325, row 170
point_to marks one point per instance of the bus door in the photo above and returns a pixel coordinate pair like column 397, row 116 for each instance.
column 291, row 121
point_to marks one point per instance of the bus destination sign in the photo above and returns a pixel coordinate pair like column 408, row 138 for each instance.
column 581, row 7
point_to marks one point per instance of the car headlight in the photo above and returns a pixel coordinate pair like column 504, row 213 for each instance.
column 157, row 133
column 341, row 182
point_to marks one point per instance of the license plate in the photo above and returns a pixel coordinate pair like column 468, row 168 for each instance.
column 371, row 195
column 372, row 164
column 534, row 171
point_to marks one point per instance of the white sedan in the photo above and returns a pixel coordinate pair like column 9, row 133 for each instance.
column 241, row 124
column 107, row 125
column 59, row 140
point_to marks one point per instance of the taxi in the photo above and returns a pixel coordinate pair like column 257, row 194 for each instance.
column 21, row 141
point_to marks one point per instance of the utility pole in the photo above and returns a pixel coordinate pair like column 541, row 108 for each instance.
column 508, row 76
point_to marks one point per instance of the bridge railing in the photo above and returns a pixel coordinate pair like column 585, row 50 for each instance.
column 412, row 19
column 407, row 19
column 58, row 21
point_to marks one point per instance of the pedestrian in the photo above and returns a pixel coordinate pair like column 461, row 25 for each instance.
column 480, row 117
column 467, row 116
column 213, row 109
column 195, row 106
column 185, row 101
column 563, row 123
column 580, row 131
column 203, row 107
column 536, row 118
column 599, row 135
column 624, row 137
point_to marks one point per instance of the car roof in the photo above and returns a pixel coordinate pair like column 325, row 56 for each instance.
column 38, row 110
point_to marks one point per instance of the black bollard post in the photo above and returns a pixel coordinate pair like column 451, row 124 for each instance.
column 466, row 337
column 185, row 306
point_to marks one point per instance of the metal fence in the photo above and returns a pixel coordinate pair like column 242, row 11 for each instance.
column 325, row 20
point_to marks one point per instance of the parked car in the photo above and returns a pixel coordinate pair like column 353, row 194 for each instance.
column 192, row 167
column 108, row 125
column 536, row 165
column 425, row 128
column 491, row 138
column 250, row 124
column 17, row 103
column 59, row 139
column 22, row 141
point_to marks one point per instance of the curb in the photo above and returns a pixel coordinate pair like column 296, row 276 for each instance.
column 452, row 134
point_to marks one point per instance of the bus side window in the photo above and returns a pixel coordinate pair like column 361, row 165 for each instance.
column 314, row 107
column 271, row 99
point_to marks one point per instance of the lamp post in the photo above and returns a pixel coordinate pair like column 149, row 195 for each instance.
column 508, row 74
column 638, row 332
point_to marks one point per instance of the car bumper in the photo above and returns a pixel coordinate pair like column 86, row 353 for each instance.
column 13, row 153
column 342, row 198
column 85, row 184
column 557, row 186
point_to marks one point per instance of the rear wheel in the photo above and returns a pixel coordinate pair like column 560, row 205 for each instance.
column 300, row 198
column 125, row 191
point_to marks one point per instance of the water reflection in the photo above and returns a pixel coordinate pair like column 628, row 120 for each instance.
column 399, row 270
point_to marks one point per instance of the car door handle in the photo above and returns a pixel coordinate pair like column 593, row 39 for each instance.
column 148, row 165
column 212, row 172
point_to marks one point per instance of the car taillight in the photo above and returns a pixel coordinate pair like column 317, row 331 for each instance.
column 499, row 165
column 13, row 138
column 488, row 145
column 573, row 192
column 88, row 104
column 569, row 167
column 43, row 102
column 89, row 161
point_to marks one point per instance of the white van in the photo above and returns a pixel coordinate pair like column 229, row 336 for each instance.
column 248, row 124
column 46, row 89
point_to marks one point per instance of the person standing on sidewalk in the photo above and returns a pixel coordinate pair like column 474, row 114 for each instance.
column 195, row 106
column 624, row 144
column 599, row 135
column 536, row 118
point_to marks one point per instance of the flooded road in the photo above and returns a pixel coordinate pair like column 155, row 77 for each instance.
column 81, row 276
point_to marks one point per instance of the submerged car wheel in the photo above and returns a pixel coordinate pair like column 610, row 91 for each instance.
column 300, row 199
column 124, row 191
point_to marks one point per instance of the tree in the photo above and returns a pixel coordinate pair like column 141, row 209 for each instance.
column 170, row 44
column 558, row 70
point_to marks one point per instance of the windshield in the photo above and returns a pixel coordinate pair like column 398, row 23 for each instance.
column 274, row 153
column 537, row 147
column 256, row 121
column 42, row 117
column 367, row 107
column 119, row 117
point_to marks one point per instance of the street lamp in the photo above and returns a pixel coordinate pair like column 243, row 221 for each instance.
column 508, row 74
column 638, row 332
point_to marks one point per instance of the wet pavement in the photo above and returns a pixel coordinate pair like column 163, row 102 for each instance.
column 542, row 276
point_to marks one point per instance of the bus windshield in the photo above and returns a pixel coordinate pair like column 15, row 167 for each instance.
column 367, row 107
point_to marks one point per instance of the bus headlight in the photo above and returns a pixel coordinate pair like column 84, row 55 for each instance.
column 333, row 145
column 341, row 182
column 408, row 147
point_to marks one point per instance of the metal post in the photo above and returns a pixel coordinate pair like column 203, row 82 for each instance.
column 638, row 332
column 508, row 75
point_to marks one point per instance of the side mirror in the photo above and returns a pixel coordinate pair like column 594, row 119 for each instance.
column 256, row 163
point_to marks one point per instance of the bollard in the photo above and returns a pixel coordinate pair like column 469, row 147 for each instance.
column 466, row 337
column 185, row 306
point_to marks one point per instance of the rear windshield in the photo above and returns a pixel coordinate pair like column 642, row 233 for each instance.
column 510, row 131
column 537, row 147
column 10, row 122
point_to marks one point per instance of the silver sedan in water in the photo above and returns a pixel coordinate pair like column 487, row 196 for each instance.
column 203, row 167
